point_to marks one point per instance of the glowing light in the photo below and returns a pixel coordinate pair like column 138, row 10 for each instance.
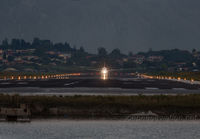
column 104, row 70
column 104, row 77
column 104, row 73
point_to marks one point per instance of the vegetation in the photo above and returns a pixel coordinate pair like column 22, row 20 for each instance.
column 105, row 106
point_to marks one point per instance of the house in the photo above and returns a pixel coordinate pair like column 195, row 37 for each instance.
column 180, row 64
column 1, row 51
column 125, row 59
column 196, row 54
column 9, row 52
column 25, row 51
column 1, row 57
column 93, row 62
column 17, row 59
column 139, row 59
column 65, row 56
column 31, row 57
column 5, row 61
column 51, row 53
column 155, row 58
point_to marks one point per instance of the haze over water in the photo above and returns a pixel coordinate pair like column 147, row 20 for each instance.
column 61, row 129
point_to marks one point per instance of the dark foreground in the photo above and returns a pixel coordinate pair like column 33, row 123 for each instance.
column 178, row 101
column 106, row 107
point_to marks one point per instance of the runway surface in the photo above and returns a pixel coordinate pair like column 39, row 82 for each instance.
column 94, row 86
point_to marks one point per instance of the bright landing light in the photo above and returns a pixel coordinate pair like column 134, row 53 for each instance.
column 104, row 73
column 104, row 70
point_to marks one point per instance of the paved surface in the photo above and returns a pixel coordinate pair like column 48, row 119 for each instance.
column 82, row 86
column 126, row 83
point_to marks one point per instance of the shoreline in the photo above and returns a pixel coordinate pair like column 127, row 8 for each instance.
column 98, row 119
column 107, row 107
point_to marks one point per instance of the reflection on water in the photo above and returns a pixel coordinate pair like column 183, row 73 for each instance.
column 101, row 129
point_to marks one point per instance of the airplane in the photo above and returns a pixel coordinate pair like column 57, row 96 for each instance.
column 105, row 71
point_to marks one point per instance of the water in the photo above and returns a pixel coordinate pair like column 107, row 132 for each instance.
column 61, row 129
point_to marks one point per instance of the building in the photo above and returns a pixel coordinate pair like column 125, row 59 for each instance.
column 51, row 53
column 13, row 114
column 138, row 59
column 31, row 57
column 155, row 58
column 65, row 56
column 25, row 51
column 1, row 51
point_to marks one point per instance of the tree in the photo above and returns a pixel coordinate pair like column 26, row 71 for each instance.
column 102, row 52
column 194, row 51
column 10, row 58
column 82, row 49
column 74, row 48
column 4, row 55
column 130, row 54
column 5, row 43
column 116, row 53
column 36, row 42
column 15, row 44
column 150, row 50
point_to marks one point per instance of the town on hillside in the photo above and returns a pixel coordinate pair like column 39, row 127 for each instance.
column 46, row 56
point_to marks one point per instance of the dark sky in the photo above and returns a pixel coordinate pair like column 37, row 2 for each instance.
column 131, row 25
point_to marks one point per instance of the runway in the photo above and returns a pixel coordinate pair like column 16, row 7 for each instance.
column 95, row 86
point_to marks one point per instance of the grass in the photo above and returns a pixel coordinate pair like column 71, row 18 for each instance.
column 40, row 105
